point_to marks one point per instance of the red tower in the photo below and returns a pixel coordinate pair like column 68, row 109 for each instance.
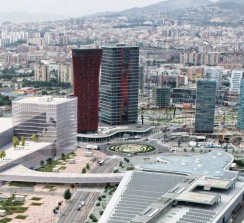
column 86, row 68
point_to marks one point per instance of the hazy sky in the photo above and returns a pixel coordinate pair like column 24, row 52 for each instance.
column 71, row 7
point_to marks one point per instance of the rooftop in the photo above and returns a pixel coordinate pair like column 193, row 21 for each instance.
column 212, row 164
column 16, row 153
column 107, row 130
column 5, row 124
column 43, row 100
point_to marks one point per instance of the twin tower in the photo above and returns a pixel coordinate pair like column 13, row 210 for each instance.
column 116, row 88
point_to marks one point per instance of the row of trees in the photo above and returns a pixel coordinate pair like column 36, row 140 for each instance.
column 16, row 141
column 52, row 83
column 11, row 76
column 4, row 100
column 10, row 70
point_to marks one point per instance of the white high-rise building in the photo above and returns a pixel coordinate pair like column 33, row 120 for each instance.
column 216, row 74
column 235, row 80
column 51, row 119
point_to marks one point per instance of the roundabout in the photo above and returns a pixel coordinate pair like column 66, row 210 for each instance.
column 132, row 148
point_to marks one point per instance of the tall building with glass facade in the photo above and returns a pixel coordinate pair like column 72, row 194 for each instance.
column 240, row 121
column 205, row 105
column 51, row 119
column 161, row 97
column 119, row 85
column 86, row 69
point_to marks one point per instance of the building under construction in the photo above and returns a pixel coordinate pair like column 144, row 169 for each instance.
column 161, row 97
column 184, row 95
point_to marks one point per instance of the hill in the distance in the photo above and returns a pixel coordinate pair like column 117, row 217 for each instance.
column 161, row 6
column 236, row 5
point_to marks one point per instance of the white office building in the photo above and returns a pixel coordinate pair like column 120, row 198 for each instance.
column 216, row 74
column 51, row 119
column 235, row 80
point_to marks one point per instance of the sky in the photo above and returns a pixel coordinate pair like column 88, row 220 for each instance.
column 71, row 7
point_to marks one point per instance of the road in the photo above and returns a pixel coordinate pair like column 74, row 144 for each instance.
column 70, row 214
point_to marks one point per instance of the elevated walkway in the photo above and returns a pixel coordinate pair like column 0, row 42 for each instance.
column 21, row 173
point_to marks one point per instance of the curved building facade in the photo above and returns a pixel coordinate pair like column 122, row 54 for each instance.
column 86, row 68
column 119, row 85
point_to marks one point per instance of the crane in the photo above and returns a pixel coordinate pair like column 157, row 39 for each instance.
column 186, row 106
column 148, row 78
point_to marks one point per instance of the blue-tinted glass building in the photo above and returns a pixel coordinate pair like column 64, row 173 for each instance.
column 240, row 121
column 205, row 105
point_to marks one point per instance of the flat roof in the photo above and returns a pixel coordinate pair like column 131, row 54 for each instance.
column 212, row 164
column 16, row 153
column 214, row 183
column 41, row 100
column 192, row 197
column 106, row 131
column 5, row 124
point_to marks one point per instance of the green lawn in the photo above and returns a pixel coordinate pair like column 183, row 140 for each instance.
column 12, row 206
column 22, row 184
column 14, row 209
column 5, row 220
column 49, row 168
column 115, row 148
column 36, row 204
column 36, row 198
column 46, row 169
column 21, row 216
column 50, row 187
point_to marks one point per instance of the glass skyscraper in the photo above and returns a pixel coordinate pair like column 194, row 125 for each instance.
column 205, row 105
column 119, row 85
column 240, row 121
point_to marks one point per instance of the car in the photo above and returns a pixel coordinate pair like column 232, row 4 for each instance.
column 146, row 140
column 79, row 208
column 129, row 155
column 166, row 130
column 82, row 203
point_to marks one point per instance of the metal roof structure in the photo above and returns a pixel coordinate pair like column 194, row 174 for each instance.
column 21, row 173
column 212, row 164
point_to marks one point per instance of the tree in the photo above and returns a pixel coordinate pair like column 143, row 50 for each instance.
column 22, row 140
column 60, row 205
column 49, row 161
column 2, row 154
column 72, row 186
column 67, row 194
column 15, row 141
column 87, row 166
column 44, row 92
column 63, row 156
column 34, row 138
column 41, row 163
column 84, row 170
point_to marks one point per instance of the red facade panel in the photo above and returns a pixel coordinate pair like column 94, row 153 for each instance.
column 86, row 68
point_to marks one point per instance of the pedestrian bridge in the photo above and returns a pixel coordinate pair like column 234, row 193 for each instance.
column 21, row 173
